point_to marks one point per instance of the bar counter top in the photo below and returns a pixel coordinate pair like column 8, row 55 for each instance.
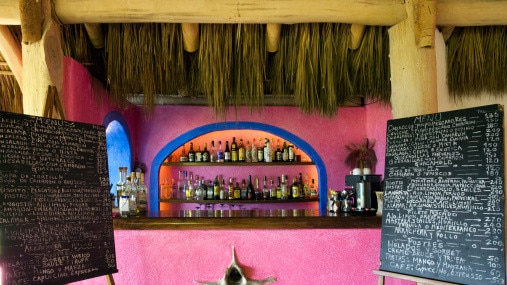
column 247, row 219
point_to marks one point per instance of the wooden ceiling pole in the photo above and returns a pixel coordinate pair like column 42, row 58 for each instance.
column 43, row 64
column 273, row 37
column 190, row 33
column 10, row 49
column 95, row 35
column 413, row 68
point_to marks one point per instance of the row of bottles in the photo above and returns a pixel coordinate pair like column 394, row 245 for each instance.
column 131, row 193
column 188, row 187
column 262, row 151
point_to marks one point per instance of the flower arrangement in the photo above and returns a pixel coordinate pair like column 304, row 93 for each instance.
column 361, row 155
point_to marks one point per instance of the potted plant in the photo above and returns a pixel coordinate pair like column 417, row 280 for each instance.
column 361, row 155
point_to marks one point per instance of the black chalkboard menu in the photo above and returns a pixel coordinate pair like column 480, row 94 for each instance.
column 443, row 214
column 55, row 209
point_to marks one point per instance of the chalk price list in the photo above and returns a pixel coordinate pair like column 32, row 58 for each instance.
column 444, row 201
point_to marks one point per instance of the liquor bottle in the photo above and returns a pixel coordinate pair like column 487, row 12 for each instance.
column 267, row 151
column 265, row 190
column 241, row 151
column 258, row 190
column 227, row 152
column 211, row 192
column 306, row 187
column 230, row 189
column 248, row 152
column 183, row 155
column 250, row 189
column 244, row 190
column 223, row 191
column 283, row 188
column 301, row 186
column 272, row 190
column 314, row 193
column 260, row 151
column 254, row 151
column 237, row 191
column 279, row 189
column 285, row 152
column 198, row 191
column 190, row 191
column 295, row 188
column 278, row 152
column 174, row 189
column 216, row 189
column 234, row 150
column 198, row 154
column 181, row 185
column 120, row 184
column 132, row 189
column 212, row 153
column 220, row 153
column 121, row 192
column 191, row 153
column 205, row 154
column 291, row 153
column 142, row 190
column 204, row 189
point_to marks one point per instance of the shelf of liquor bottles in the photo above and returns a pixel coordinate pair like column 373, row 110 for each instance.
column 237, row 163
column 240, row 201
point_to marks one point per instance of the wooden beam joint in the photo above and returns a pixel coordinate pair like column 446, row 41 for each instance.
column 424, row 15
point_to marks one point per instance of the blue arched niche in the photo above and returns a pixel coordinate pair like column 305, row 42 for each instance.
column 184, row 138
column 119, row 147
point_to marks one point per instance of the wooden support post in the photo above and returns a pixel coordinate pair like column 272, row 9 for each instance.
column 43, row 65
column 273, row 37
column 424, row 15
column 190, row 36
column 356, row 35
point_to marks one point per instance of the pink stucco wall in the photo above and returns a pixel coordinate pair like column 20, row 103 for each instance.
column 327, row 256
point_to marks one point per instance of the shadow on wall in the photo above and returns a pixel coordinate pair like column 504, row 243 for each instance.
column 184, row 138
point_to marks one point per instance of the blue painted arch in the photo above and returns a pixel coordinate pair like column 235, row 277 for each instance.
column 184, row 138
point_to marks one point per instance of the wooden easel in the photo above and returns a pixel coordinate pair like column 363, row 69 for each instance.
column 53, row 102
column 420, row 281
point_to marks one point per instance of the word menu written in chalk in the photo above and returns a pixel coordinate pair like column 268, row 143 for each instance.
column 55, row 208
column 444, row 197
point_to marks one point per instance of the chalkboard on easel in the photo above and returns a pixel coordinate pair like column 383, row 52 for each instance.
column 443, row 215
column 55, row 208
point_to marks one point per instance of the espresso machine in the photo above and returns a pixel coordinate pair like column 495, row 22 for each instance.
column 364, row 188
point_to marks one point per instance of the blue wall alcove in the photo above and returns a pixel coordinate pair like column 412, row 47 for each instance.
column 119, row 147
column 184, row 138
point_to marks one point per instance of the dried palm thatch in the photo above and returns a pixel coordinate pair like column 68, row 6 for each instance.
column 477, row 57
column 10, row 92
column 144, row 59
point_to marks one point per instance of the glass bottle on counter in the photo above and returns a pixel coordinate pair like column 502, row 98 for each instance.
column 285, row 152
column 292, row 155
column 306, row 187
column 191, row 153
column 278, row 153
column 142, row 190
column 301, row 187
column 223, row 191
column 181, row 185
column 198, row 154
column 190, row 191
column 120, row 185
column 210, row 191
column 132, row 190
column 204, row 189
column 237, row 191
column 244, row 190
column 227, row 152
column 174, row 189
column 234, row 150
column 267, row 151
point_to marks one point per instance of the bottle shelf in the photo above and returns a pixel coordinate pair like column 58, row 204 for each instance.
column 237, row 201
column 237, row 163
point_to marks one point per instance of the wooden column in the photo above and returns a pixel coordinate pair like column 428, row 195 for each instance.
column 413, row 71
column 42, row 65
